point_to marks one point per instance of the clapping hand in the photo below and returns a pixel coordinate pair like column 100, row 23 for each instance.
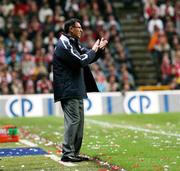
column 99, row 44
column 103, row 43
column 96, row 45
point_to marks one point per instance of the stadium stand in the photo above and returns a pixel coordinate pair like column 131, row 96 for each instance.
column 29, row 31
column 162, row 18
column 135, row 38
column 153, row 42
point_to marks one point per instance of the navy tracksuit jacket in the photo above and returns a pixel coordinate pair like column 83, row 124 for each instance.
column 72, row 77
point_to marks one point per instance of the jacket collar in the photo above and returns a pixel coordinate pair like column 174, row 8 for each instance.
column 70, row 38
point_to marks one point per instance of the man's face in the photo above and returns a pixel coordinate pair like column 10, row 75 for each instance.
column 76, row 30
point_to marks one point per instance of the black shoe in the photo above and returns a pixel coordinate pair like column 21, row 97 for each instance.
column 83, row 158
column 70, row 159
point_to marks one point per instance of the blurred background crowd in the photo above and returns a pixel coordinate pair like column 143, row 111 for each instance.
column 29, row 31
column 163, row 24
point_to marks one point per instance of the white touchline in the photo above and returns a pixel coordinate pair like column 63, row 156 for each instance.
column 28, row 143
column 57, row 159
column 52, row 156
column 111, row 125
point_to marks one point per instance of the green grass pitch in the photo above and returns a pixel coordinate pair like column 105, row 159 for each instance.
column 133, row 142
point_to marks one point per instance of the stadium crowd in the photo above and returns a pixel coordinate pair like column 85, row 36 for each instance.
column 30, row 29
column 163, row 21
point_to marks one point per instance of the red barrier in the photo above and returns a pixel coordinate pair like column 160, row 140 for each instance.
column 9, row 133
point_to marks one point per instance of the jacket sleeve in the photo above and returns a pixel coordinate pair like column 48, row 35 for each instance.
column 70, row 56
column 99, row 54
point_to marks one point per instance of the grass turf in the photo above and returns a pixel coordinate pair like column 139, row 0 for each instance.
column 131, row 149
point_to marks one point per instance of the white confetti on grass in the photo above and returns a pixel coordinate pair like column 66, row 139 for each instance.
column 134, row 128
column 50, row 143
column 174, row 163
column 57, row 133
column 166, row 167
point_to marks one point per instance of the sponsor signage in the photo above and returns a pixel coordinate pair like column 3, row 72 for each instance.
column 141, row 102
column 97, row 103
column 93, row 105
column 20, row 106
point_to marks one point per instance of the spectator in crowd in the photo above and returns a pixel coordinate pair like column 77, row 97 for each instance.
column 14, row 61
column 150, row 8
column 175, row 42
column 2, row 51
column 50, row 41
column 4, row 88
column 121, row 57
column 17, row 86
column 39, row 70
column 6, row 76
column 29, row 87
column 45, row 11
column 155, row 21
column 162, row 46
column 166, row 69
column 177, row 11
column 126, row 79
column 170, row 31
column 10, row 42
column 28, row 66
column 166, row 11
column 7, row 7
column 177, row 65
column 25, row 45
column 99, row 78
column 113, row 84
column 44, row 85
column 154, row 39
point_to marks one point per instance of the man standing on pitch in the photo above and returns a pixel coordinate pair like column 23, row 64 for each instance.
column 72, row 80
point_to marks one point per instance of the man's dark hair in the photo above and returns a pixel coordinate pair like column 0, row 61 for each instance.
column 69, row 23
